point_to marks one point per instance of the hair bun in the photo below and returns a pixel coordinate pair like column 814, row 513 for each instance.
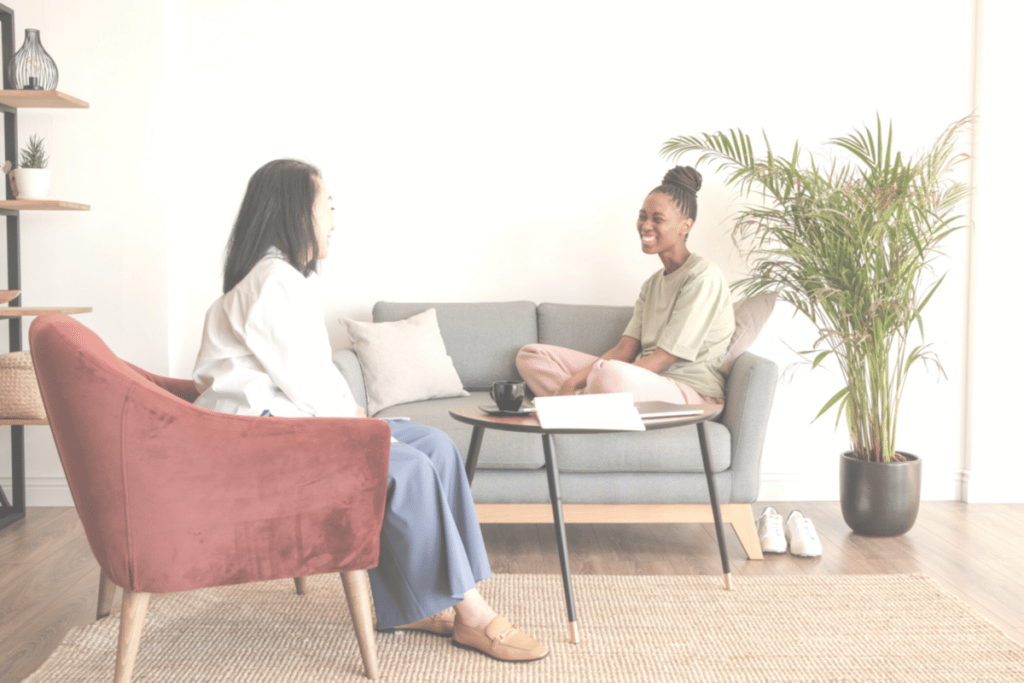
column 686, row 177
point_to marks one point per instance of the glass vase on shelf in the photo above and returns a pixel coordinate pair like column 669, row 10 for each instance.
column 31, row 67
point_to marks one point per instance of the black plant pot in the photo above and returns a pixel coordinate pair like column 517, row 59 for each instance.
column 879, row 499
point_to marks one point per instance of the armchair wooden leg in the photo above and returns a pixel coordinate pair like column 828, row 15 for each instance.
column 357, row 591
column 105, row 601
column 133, row 614
column 300, row 585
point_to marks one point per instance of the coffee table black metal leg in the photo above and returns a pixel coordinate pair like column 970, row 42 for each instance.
column 474, row 452
column 715, row 510
column 551, row 464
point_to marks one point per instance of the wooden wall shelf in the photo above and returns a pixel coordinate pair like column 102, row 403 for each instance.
column 31, row 311
column 11, row 101
column 41, row 205
column 40, row 99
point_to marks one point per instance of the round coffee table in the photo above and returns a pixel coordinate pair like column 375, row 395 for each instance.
column 529, row 424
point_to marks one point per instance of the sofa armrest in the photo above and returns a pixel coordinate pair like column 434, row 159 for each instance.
column 749, row 393
column 347, row 362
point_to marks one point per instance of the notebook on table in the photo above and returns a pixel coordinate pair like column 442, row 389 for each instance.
column 614, row 412
column 598, row 412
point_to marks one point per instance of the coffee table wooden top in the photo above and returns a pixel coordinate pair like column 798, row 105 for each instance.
column 530, row 425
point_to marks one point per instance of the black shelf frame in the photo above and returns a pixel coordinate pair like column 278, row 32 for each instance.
column 12, row 509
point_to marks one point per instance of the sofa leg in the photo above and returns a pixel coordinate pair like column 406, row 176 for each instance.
column 743, row 524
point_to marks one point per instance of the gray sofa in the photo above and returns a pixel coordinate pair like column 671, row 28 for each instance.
column 654, row 476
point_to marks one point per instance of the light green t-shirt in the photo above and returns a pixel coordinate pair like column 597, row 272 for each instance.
column 687, row 313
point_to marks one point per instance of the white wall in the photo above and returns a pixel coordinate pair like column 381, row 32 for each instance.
column 110, row 156
column 994, row 448
column 477, row 152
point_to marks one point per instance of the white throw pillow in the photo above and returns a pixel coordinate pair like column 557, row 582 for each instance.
column 404, row 361
column 751, row 315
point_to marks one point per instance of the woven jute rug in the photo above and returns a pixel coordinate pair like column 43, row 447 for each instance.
column 634, row 628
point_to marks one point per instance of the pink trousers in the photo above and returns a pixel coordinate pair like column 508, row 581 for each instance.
column 545, row 368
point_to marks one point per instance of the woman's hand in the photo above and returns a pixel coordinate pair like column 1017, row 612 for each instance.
column 657, row 362
column 625, row 351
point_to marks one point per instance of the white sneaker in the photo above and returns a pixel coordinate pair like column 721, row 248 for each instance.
column 769, row 531
column 803, row 539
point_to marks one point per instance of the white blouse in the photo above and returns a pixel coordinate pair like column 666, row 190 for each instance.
column 265, row 347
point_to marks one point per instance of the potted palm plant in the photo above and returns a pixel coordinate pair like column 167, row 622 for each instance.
column 31, row 180
column 852, row 245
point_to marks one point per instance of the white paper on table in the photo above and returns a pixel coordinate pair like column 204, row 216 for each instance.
column 613, row 412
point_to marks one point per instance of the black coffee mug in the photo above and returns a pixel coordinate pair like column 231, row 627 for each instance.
column 508, row 395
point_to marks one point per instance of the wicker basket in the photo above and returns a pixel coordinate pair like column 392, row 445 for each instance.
column 19, row 389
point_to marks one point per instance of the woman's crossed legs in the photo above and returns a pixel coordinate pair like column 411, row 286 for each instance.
column 545, row 368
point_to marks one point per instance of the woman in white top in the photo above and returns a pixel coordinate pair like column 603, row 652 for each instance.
column 265, row 351
column 681, row 326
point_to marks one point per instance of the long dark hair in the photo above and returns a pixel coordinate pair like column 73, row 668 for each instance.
column 277, row 211
column 681, row 183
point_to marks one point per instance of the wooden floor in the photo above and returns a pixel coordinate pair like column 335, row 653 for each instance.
column 48, row 577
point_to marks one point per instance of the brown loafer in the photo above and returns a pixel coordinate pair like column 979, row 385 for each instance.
column 442, row 623
column 500, row 640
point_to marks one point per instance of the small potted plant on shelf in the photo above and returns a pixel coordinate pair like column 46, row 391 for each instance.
column 31, row 180
column 851, row 244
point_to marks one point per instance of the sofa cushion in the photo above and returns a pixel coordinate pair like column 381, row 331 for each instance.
column 590, row 329
column 629, row 488
column 751, row 314
column 403, row 361
column 658, row 450
column 675, row 449
column 482, row 338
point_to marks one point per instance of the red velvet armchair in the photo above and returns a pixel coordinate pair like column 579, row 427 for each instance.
column 174, row 497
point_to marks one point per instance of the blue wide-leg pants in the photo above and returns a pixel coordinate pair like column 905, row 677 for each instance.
column 431, row 548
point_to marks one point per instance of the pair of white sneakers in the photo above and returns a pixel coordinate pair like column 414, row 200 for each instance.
column 798, row 533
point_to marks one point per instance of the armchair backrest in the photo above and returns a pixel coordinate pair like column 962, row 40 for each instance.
column 174, row 497
column 85, row 389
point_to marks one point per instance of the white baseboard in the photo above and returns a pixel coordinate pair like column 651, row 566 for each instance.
column 43, row 491
column 796, row 486
column 999, row 488
column 775, row 486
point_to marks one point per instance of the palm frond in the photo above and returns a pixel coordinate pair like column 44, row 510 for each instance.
column 850, row 245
